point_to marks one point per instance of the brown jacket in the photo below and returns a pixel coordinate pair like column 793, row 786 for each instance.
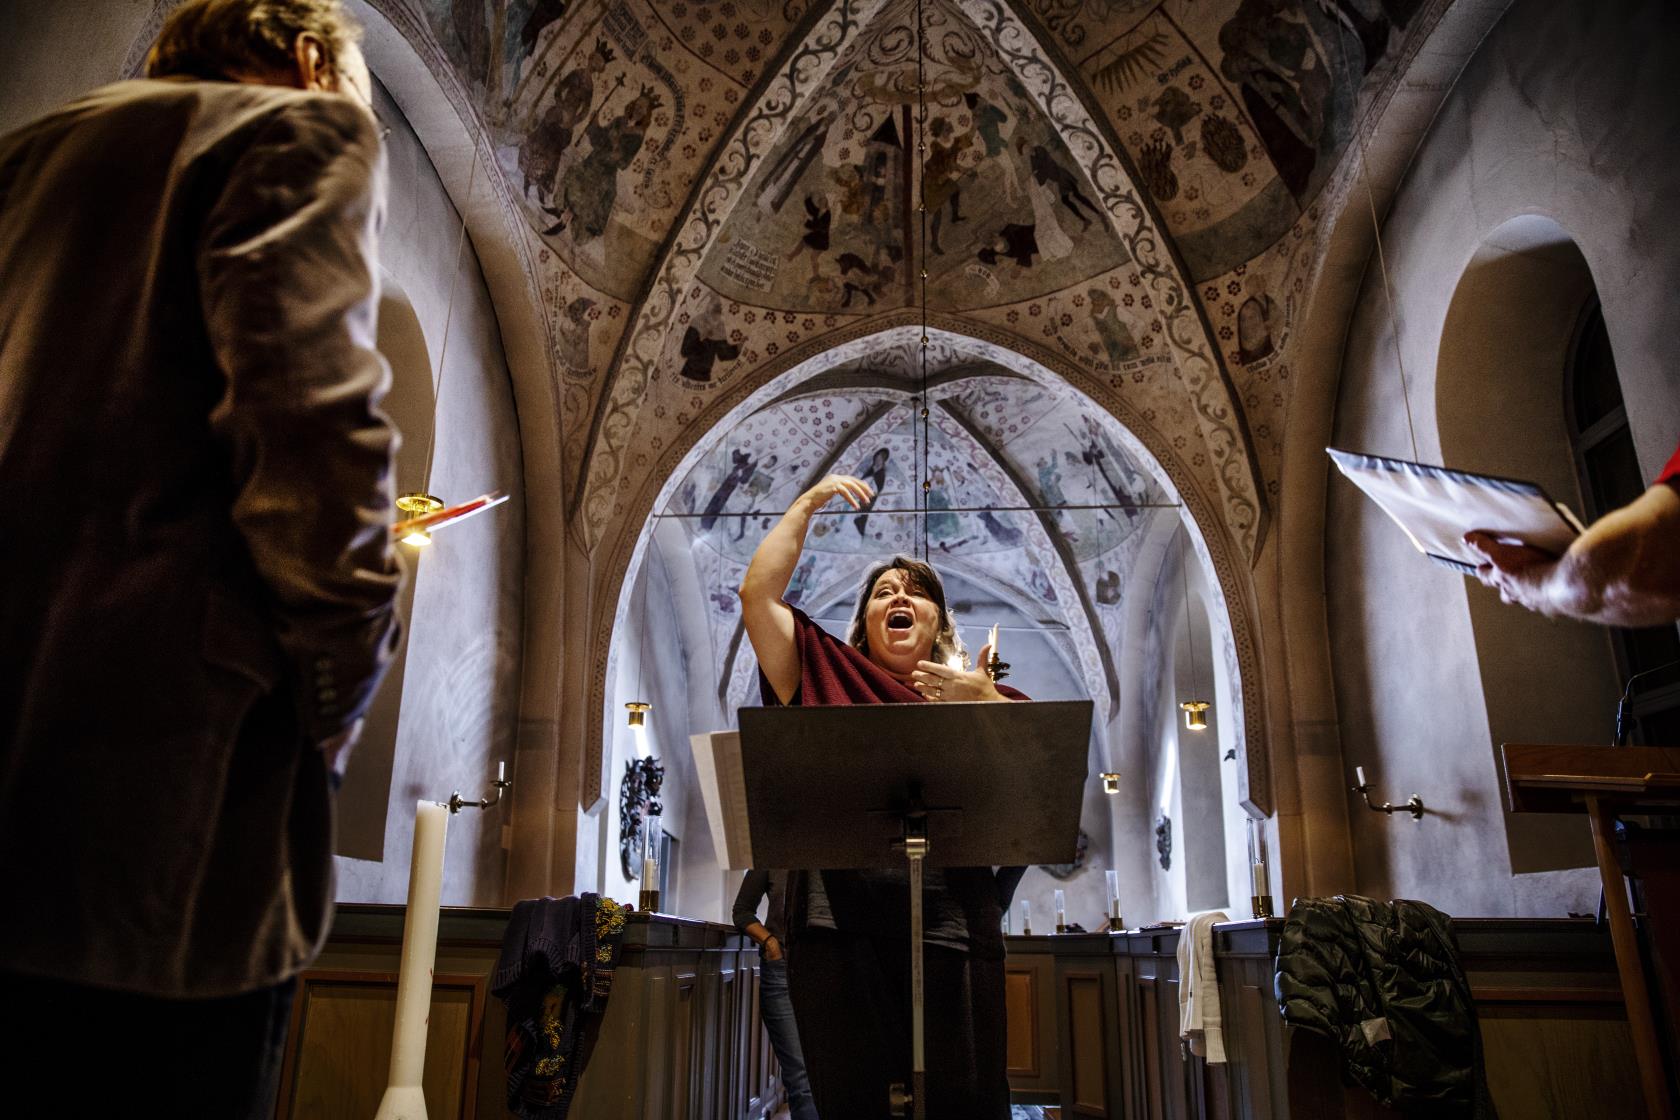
column 195, row 581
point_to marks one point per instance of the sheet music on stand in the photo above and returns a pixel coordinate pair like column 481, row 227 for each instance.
column 1435, row 507
column 723, row 788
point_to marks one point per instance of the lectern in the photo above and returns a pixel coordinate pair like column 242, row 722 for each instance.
column 885, row 785
column 1604, row 782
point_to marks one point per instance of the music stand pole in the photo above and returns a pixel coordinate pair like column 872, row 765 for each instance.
column 915, row 851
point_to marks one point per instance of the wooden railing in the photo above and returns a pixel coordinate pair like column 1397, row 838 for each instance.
column 681, row 1037
column 1555, row 1036
column 1093, row 1026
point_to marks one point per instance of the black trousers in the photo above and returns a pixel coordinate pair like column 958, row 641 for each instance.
column 98, row 1053
column 851, row 997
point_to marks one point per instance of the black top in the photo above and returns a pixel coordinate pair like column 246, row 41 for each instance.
column 754, row 886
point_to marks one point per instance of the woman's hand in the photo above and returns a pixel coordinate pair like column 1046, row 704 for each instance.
column 940, row 684
column 856, row 491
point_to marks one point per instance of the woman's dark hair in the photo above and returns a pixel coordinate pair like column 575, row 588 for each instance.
column 226, row 39
column 923, row 578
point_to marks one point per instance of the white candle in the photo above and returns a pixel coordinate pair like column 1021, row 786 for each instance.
column 403, row 1099
column 1359, row 773
column 1260, row 890
column 650, row 874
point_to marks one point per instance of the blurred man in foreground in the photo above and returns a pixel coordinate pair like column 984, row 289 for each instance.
column 196, row 590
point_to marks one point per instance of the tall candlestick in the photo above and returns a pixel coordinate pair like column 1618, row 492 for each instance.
column 1061, row 911
column 1115, row 923
column 1262, row 897
column 650, row 864
column 1026, row 918
column 403, row 1099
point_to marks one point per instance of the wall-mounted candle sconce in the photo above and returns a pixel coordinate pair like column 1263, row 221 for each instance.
column 456, row 802
column 1413, row 804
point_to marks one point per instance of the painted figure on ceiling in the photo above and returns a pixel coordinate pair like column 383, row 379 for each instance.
column 804, row 578
column 572, row 333
column 589, row 189
column 943, row 176
column 1254, row 329
column 704, row 344
column 1045, row 170
column 1004, row 534
column 757, row 487
column 539, row 156
column 989, row 121
column 942, row 525
column 1113, row 333
column 741, row 468
column 1015, row 242
column 873, row 472
column 1053, row 242
column 543, row 14
column 819, row 220
column 1274, row 55
column 789, row 167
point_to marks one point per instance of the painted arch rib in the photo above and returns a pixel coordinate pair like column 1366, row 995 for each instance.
column 1218, row 417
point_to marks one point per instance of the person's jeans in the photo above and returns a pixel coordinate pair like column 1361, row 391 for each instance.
column 776, row 1009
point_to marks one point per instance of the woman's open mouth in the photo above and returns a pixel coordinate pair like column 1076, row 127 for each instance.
column 900, row 619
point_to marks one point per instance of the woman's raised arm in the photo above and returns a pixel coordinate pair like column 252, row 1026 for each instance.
column 768, row 620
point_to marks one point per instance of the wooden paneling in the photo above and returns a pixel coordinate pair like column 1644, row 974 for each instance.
column 1087, row 1027
column 339, row 1050
column 1020, row 996
column 1554, row 1058
column 1033, row 1030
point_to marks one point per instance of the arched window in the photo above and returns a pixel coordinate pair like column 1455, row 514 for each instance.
column 1610, row 477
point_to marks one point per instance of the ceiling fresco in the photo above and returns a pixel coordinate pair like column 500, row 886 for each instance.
column 831, row 219
column 1234, row 114
column 711, row 187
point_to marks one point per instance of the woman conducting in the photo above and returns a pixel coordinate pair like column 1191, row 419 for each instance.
column 848, row 932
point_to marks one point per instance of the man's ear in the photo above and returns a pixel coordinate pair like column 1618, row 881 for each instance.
column 310, row 66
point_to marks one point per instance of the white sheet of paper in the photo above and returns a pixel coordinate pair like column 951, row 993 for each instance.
column 723, row 787
column 1436, row 506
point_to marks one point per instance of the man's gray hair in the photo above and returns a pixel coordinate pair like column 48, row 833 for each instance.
column 227, row 39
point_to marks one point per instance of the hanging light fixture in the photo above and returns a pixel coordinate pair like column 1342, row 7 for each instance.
column 636, row 710
column 1195, row 711
column 418, row 504
column 1111, row 781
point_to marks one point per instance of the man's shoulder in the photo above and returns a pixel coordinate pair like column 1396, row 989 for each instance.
column 208, row 108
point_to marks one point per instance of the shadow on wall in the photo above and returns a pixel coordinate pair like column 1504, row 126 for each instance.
column 365, row 797
column 1505, row 345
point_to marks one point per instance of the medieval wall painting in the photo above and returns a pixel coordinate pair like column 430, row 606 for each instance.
column 1233, row 112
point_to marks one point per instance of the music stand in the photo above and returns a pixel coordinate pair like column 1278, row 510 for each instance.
column 957, row 785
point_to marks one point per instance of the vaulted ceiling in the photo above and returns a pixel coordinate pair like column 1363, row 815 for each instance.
column 1125, row 184
column 1124, row 192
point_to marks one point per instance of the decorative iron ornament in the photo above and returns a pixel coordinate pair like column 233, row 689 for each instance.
column 637, row 797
